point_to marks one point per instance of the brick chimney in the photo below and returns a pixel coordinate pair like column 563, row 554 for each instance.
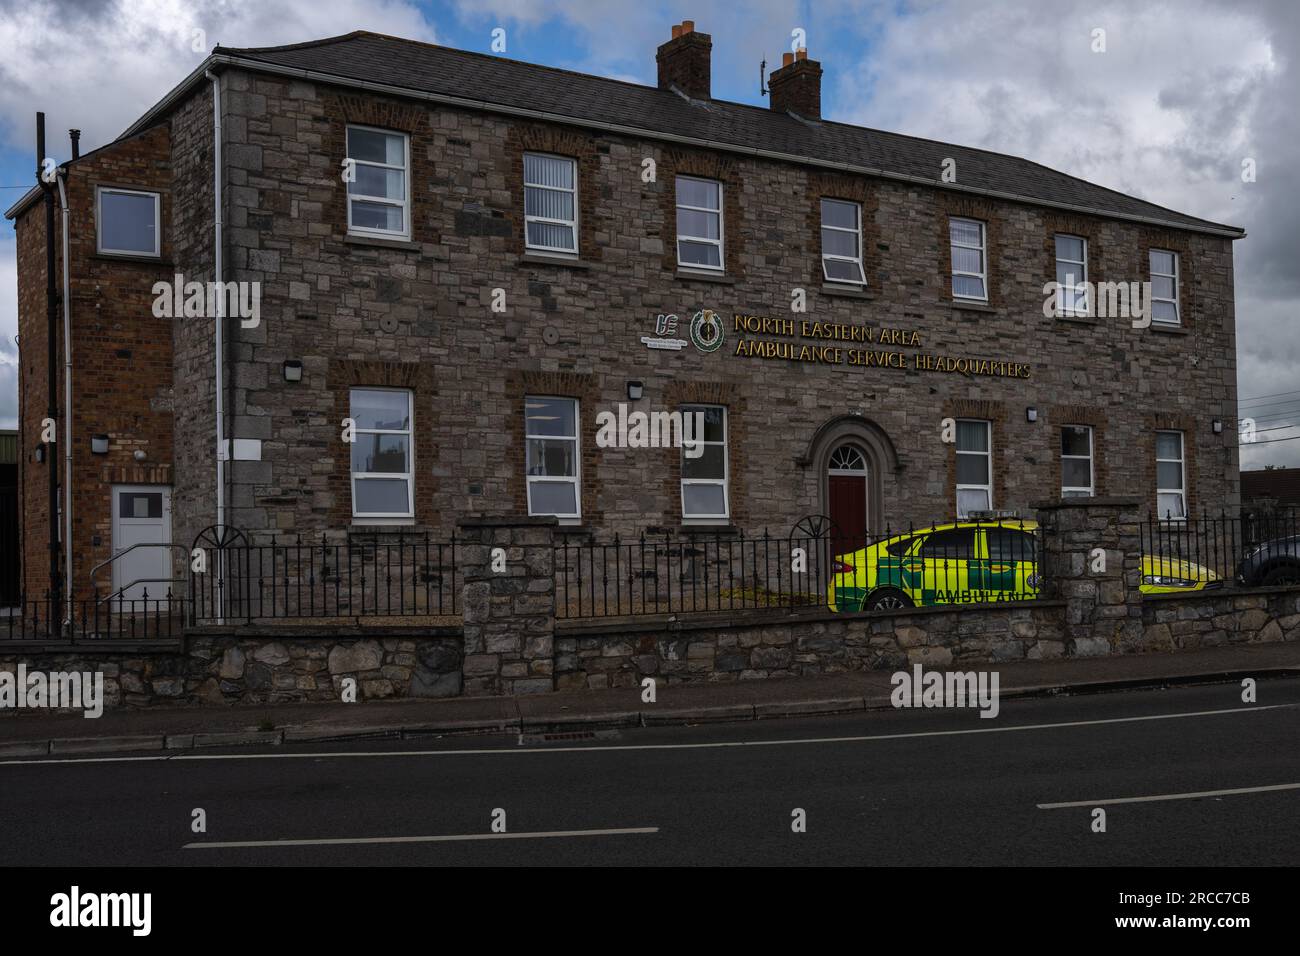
column 797, row 86
column 684, row 61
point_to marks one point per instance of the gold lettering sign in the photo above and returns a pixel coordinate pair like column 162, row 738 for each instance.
column 864, row 346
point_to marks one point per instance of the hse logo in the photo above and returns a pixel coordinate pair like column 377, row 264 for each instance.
column 77, row 909
column 705, row 330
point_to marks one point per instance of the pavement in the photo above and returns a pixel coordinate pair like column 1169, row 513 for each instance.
column 1186, row 775
column 35, row 733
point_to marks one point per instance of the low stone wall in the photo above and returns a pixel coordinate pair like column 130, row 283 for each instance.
column 1214, row 618
column 227, row 668
column 761, row 645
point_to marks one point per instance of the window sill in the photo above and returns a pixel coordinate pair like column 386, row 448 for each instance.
column 972, row 306
column 1169, row 329
column 688, row 275
column 140, row 260
column 378, row 243
column 847, row 291
column 542, row 259
column 706, row 525
column 380, row 524
column 1078, row 319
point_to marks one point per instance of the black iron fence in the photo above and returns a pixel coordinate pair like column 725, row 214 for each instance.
column 381, row 575
column 158, row 617
column 816, row 565
column 1251, row 550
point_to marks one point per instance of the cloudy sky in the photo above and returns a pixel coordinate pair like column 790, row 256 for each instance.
column 1184, row 92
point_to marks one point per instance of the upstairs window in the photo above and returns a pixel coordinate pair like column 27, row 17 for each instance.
column 382, row 468
column 699, row 223
column 551, row 456
column 974, row 467
column 128, row 222
column 1171, row 485
column 842, row 241
column 551, row 204
column 1076, row 461
column 969, row 260
column 1164, row 287
column 704, row 477
column 379, row 197
column 1071, row 276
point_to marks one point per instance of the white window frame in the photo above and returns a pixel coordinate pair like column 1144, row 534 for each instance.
column 1087, row 297
column 1088, row 490
column 576, row 478
column 983, row 248
column 1178, row 312
column 720, row 242
column 1182, row 471
column 725, row 481
column 380, row 517
column 405, row 204
column 856, row 231
column 573, row 223
column 988, row 453
column 99, row 222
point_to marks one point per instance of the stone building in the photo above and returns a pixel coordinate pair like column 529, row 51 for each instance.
column 472, row 258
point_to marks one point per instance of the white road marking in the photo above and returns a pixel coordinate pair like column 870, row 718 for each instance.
column 450, row 838
column 712, row 745
column 1196, row 795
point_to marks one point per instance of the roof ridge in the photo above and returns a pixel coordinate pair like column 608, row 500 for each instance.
column 306, row 44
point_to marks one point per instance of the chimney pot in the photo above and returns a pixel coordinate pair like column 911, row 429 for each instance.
column 688, row 26
column 787, row 58
column 677, row 30
column 802, row 54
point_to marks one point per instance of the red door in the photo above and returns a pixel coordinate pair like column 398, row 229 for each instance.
column 848, row 500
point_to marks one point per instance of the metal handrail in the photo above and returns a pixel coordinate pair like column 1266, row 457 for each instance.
column 94, row 585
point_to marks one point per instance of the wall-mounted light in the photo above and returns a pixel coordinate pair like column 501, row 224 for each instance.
column 139, row 454
column 1031, row 414
column 292, row 370
column 1217, row 425
column 39, row 454
column 99, row 444
column 635, row 390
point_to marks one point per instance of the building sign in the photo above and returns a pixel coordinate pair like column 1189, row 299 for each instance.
column 865, row 346
column 665, row 336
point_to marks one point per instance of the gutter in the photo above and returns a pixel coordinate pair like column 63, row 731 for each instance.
column 225, row 59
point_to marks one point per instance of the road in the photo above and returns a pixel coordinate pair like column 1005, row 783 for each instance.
column 889, row 788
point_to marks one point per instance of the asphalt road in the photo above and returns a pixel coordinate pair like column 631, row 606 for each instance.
column 882, row 789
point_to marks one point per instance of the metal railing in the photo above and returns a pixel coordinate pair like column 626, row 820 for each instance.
column 379, row 575
column 1252, row 550
column 111, row 617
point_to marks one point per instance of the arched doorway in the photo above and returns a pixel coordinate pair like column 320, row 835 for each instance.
column 846, row 496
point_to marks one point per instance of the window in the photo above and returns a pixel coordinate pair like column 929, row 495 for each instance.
column 704, row 478
column 699, row 223
column 1008, row 544
column 954, row 544
column 1164, row 287
column 551, row 456
column 1076, row 461
column 551, row 203
column 974, row 467
column 1071, row 276
column 378, row 198
column 969, row 270
column 1171, row 490
column 842, row 241
column 381, row 453
column 128, row 222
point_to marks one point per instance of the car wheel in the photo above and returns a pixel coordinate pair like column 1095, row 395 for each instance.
column 1282, row 575
column 887, row 599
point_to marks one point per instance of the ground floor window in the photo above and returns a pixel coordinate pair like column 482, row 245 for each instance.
column 1171, row 485
column 551, row 456
column 974, row 467
column 382, row 459
column 704, row 466
column 1076, row 461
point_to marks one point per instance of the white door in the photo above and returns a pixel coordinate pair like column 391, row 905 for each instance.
column 142, row 515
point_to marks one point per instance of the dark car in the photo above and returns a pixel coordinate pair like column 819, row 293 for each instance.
column 1271, row 563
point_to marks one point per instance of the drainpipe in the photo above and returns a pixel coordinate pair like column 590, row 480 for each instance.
column 52, row 385
column 69, row 615
column 219, row 319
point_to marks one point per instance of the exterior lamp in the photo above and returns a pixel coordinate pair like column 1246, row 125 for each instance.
column 1031, row 414
column 40, row 453
column 1217, row 425
column 99, row 444
column 635, row 390
column 292, row 370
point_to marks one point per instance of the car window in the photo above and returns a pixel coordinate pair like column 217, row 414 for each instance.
column 1008, row 544
column 899, row 548
column 954, row 544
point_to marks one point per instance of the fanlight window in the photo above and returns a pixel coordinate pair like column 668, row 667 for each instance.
column 847, row 458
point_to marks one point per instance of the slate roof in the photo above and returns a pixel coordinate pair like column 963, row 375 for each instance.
column 427, row 68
